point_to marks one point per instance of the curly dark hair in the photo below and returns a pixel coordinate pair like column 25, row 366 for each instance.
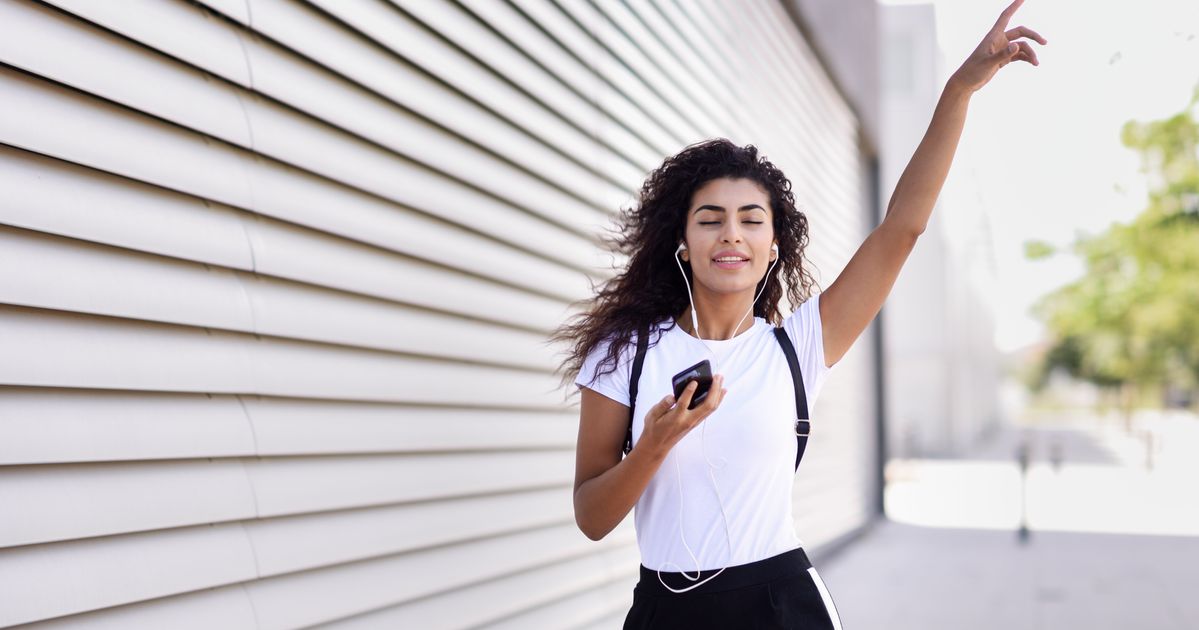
column 650, row 288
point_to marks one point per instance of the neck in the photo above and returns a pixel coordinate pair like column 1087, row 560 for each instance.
column 718, row 318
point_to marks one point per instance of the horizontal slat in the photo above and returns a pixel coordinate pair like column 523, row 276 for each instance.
column 49, row 195
column 802, row 133
column 53, row 196
column 294, row 543
column 823, row 114
column 693, row 108
column 171, row 157
column 226, row 607
column 300, row 599
column 92, row 574
column 298, row 140
column 195, row 37
column 292, row 485
column 289, row 426
column 643, row 24
column 75, row 501
column 477, row 605
column 353, row 57
column 45, row 425
column 57, row 273
column 577, row 76
column 487, row 47
column 46, row 348
column 65, row 502
column 101, row 576
column 294, row 138
column 85, row 130
column 89, row 58
column 608, row 622
column 602, row 62
column 570, row 70
column 572, row 610
column 40, row 426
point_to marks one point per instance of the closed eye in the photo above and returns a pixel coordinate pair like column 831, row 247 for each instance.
column 718, row 222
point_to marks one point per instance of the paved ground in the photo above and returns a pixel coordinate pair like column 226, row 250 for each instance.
column 1114, row 537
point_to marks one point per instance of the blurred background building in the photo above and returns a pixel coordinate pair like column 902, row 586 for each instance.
column 941, row 364
column 276, row 276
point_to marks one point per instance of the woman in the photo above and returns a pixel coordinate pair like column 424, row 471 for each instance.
column 713, row 510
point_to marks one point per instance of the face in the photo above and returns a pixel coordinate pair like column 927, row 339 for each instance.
column 729, row 218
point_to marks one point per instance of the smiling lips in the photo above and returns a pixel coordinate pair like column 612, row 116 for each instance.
column 729, row 260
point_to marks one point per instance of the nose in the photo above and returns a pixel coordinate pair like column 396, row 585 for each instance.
column 731, row 232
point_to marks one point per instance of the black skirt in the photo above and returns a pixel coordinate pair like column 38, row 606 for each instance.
column 782, row 591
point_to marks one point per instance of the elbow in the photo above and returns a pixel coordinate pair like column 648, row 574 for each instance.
column 589, row 530
column 911, row 231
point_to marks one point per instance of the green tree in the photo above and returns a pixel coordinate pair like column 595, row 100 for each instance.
column 1131, row 322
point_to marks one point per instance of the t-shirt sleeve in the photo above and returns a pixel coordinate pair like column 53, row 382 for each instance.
column 807, row 334
column 614, row 384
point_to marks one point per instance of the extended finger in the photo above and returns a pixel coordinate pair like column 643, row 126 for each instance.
column 1006, row 16
column 1024, row 31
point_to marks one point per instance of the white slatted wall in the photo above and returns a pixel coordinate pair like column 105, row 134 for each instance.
column 275, row 279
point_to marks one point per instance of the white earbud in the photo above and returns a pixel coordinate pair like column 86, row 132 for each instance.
column 680, row 249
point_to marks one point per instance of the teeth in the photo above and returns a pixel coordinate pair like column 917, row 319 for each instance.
column 730, row 259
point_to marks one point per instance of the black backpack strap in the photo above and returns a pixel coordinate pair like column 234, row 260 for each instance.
column 634, row 378
column 802, row 425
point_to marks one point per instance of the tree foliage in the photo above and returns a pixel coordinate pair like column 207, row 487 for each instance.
column 1132, row 319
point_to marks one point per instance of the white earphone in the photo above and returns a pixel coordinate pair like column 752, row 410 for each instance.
column 703, row 433
column 774, row 247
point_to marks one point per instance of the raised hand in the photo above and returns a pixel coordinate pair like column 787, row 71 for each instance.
column 998, row 48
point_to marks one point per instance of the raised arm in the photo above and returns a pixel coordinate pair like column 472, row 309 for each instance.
column 849, row 304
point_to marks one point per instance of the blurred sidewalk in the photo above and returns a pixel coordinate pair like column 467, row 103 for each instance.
column 1114, row 542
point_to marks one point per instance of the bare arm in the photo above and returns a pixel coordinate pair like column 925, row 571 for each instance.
column 849, row 304
column 857, row 295
column 607, row 487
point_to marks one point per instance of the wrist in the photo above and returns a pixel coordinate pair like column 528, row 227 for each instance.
column 957, row 88
column 652, row 453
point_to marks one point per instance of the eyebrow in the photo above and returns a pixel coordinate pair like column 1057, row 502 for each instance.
column 746, row 208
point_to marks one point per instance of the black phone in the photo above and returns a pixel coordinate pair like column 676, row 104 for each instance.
column 701, row 372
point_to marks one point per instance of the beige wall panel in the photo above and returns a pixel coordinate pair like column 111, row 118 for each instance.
column 492, row 602
column 49, row 503
column 291, row 485
column 294, row 543
column 301, row 598
column 50, row 349
column 44, row 581
column 568, row 69
column 295, row 426
column 43, row 426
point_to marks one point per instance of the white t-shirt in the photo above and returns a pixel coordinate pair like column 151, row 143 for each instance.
column 754, row 430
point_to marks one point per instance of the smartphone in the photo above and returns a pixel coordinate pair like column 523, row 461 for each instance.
column 701, row 372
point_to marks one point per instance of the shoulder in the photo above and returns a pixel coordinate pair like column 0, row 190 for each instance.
column 806, row 330
column 611, row 376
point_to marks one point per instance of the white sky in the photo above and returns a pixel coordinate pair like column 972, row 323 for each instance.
column 1046, row 139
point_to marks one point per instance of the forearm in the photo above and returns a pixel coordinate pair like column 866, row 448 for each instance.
column 602, row 502
column 916, row 192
